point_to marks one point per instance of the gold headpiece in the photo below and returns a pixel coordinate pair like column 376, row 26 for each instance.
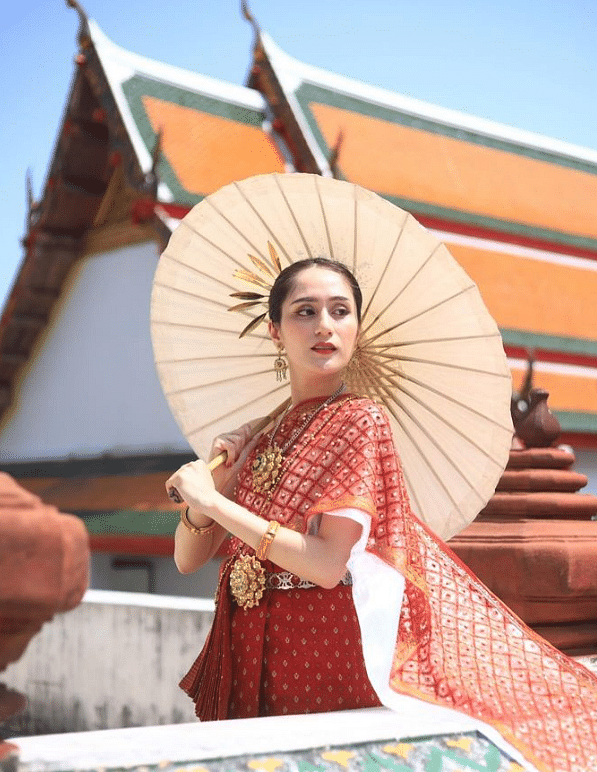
column 270, row 271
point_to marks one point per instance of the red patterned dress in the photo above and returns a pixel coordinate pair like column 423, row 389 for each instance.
column 458, row 652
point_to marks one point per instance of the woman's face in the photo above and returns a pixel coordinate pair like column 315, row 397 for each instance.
column 318, row 325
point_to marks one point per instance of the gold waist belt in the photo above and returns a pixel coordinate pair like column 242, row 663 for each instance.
column 249, row 580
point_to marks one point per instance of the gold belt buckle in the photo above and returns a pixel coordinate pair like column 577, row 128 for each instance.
column 247, row 581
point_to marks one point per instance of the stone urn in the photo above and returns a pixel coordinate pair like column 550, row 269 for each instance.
column 44, row 569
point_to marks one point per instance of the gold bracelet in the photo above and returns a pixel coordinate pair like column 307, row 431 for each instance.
column 204, row 530
column 267, row 539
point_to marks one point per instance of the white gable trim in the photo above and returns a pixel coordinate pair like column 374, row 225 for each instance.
column 120, row 65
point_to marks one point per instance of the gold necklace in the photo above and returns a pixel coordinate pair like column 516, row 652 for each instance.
column 267, row 465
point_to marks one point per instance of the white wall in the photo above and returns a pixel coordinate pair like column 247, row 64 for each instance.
column 92, row 388
column 114, row 661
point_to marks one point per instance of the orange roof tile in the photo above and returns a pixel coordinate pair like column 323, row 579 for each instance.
column 519, row 292
column 207, row 151
column 406, row 162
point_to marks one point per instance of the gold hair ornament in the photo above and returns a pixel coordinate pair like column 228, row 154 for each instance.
column 251, row 299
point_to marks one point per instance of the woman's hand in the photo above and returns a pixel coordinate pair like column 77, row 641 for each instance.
column 195, row 485
column 237, row 445
column 232, row 443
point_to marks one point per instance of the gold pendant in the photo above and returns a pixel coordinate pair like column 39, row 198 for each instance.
column 247, row 581
column 266, row 469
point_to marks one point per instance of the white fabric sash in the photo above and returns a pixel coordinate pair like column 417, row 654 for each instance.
column 377, row 593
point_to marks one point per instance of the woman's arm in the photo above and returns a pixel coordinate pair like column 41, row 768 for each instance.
column 191, row 550
column 318, row 558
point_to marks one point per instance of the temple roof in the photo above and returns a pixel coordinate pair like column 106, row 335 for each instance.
column 122, row 500
column 143, row 141
column 212, row 131
column 516, row 209
column 442, row 164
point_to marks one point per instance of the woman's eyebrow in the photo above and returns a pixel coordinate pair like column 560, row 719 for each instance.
column 314, row 300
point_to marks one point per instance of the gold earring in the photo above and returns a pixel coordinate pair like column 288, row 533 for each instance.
column 280, row 365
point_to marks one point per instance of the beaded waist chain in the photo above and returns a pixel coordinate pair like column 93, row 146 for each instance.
column 285, row 580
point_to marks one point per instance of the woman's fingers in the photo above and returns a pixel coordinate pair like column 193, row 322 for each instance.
column 232, row 443
column 174, row 495
column 229, row 444
column 225, row 476
column 172, row 485
column 192, row 483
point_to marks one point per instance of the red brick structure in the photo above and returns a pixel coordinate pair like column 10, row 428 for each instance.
column 534, row 543
column 44, row 569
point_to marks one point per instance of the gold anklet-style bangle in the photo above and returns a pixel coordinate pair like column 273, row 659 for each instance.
column 202, row 530
column 267, row 539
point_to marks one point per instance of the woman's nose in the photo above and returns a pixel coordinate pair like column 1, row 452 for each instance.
column 324, row 324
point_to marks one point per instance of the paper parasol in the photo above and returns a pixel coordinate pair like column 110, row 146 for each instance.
column 428, row 348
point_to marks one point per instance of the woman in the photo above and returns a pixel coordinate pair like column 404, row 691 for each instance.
column 314, row 311
column 323, row 491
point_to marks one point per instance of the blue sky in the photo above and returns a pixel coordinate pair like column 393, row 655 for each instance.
column 527, row 63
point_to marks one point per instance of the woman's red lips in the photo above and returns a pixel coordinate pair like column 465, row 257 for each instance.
column 324, row 347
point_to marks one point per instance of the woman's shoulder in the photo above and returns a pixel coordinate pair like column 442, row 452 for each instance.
column 364, row 409
column 357, row 404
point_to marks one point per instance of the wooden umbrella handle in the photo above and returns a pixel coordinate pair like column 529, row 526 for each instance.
column 175, row 496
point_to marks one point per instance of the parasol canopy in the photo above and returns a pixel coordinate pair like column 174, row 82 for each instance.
column 428, row 349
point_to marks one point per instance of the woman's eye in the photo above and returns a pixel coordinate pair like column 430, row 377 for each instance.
column 341, row 311
column 305, row 311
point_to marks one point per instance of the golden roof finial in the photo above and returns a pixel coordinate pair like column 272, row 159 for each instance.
column 246, row 12
column 84, row 35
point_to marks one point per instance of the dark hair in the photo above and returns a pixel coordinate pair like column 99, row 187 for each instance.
column 285, row 279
